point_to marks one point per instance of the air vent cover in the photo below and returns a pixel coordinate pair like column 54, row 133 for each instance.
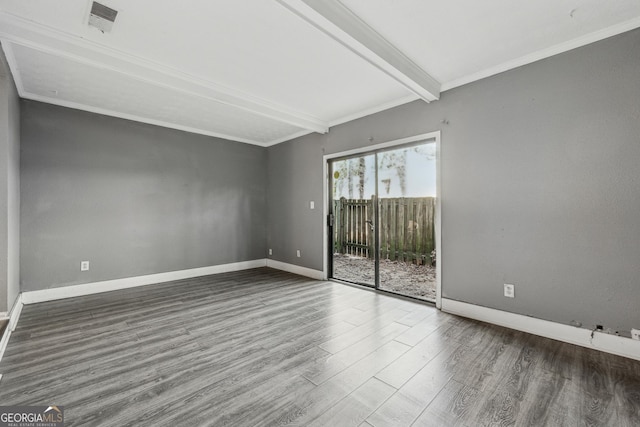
column 102, row 17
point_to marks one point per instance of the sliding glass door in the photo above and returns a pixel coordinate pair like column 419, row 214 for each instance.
column 382, row 217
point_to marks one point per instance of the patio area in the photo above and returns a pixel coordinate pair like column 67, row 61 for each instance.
column 417, row 281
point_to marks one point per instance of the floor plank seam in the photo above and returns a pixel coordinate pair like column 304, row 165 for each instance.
column 274, row 349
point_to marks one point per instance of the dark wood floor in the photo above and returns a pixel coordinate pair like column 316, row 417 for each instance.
column 263, row 347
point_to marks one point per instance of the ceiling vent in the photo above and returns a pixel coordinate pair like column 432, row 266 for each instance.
column 102, row 17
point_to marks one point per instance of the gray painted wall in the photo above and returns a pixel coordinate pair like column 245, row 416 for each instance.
column 9, row 188
column 133, row 199
column 295, row 179
column 540, row 185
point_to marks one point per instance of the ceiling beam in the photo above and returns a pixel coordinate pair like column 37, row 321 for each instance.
column 27, row 33
column 340, row 23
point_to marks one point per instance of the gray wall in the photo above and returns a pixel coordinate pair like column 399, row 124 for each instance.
column 9, row 188
column 131, row 198
column 295, row 179
column 540, row 185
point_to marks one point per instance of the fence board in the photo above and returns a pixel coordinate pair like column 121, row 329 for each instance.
column 407, row 229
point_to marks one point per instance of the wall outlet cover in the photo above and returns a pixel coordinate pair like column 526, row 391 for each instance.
column 84, row 266
column 509, row 290
column 635, row 334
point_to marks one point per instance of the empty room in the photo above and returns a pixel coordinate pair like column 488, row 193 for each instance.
column 320, row 213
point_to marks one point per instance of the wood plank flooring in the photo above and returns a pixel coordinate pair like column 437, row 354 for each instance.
column 267, row 348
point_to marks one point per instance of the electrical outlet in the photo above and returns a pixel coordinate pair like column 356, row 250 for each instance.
column 509, row 290
column 312, row 205
column 270, row 251
column 298, row 253
column 84, row 266
column 635, row 334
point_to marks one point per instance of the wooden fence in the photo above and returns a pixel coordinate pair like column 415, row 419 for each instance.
column 407, row 228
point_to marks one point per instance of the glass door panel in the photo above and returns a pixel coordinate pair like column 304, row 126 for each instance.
column 406, row 212
column 352, row 231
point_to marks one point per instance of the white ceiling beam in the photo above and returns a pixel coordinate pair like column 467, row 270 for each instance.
column 28, row 33
column 340, row 23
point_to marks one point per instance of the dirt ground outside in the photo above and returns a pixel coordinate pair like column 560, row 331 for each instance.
column 408, row 279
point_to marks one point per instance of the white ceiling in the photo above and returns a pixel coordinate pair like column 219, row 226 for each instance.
column 265, row 71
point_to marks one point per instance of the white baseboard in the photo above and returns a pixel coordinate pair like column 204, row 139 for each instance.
column 14, row 315
column 296, row 269
column 608, row 343
column 32, row 297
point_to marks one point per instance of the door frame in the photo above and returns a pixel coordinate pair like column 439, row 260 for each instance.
column 438, row 220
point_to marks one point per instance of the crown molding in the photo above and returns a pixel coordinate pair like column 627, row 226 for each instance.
column 287, row 138
column 345, row 119
column 133, row 117
column 584, row 40
column 340, row 23
column 7, row 46
column 19, row 31
column 373, row 110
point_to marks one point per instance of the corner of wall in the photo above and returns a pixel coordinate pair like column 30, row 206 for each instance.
column 10, row 182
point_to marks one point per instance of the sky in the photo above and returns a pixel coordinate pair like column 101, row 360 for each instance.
column 420, row 176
